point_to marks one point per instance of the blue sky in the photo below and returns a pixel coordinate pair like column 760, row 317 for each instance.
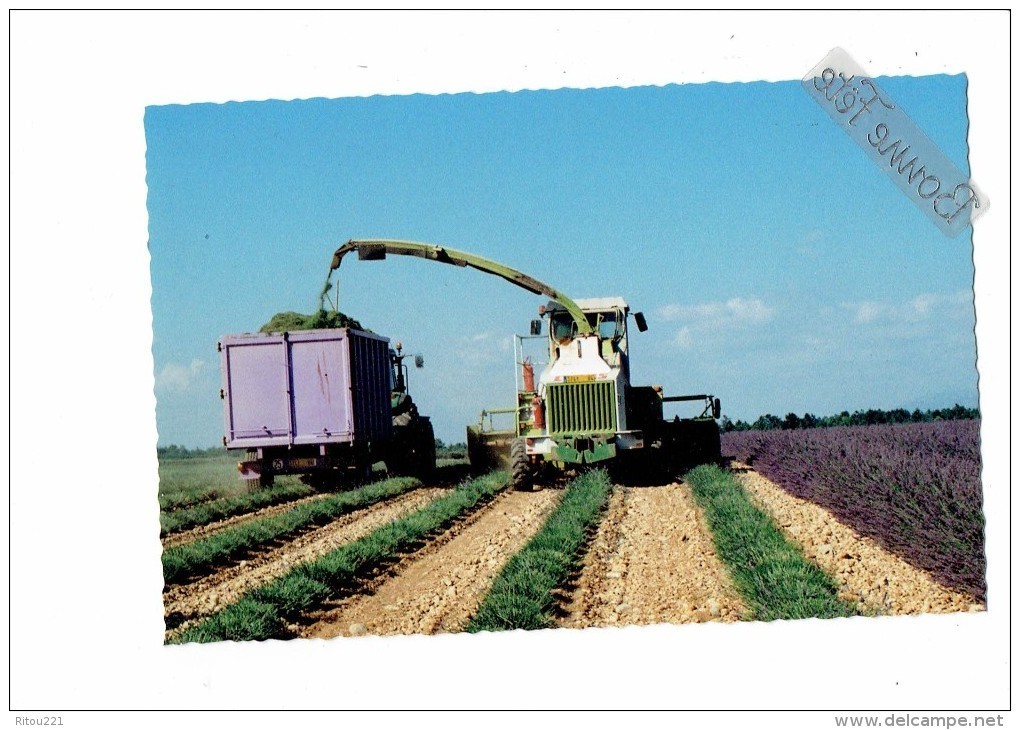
column 777, row 266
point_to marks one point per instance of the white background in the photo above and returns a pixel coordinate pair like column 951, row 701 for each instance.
column 86, row 604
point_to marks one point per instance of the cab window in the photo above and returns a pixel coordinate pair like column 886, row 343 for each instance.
column 607, row 327
column 561, row 327
column 604, row 323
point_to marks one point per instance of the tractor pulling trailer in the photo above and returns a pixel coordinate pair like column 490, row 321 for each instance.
column 324, row 404
column 582, row 409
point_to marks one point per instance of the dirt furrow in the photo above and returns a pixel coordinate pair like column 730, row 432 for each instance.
column 440, row 589
column 867, row 574
column 211, row 593
column 207, row 530
column 652, row 561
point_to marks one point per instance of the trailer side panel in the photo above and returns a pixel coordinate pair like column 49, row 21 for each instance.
column 311, row 387
column 319, row 371
column 257, row 402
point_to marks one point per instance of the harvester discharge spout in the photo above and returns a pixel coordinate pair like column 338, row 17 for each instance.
column 377, row 250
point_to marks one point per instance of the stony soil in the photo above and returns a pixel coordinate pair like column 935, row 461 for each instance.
column 652, row 561
column 440, row 588
column 868, row 575
column 212, row 592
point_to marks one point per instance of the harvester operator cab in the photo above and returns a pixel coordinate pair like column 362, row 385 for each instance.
column 609, row 325
column 608, row 322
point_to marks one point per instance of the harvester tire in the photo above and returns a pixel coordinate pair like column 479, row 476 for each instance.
column 520, row 466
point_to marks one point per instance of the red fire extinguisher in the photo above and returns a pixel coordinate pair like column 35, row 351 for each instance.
column 529, row 376
column 538, row 413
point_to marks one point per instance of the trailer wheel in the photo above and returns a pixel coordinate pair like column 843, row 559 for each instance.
column 265, row 477
column 319, row 481
column 520, row 466
column 363, row 472
column 262, row 481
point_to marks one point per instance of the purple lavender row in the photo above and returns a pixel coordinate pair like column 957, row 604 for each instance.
column 914, row 488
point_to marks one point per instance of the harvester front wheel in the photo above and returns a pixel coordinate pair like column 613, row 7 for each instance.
column 520, row 466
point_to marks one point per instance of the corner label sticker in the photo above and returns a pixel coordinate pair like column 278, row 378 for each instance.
column 894, row 143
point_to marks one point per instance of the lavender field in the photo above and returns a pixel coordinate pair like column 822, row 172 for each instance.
column 914, row 488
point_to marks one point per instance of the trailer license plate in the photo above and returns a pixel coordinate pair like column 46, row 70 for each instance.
column 302, row 463
column 580, row 378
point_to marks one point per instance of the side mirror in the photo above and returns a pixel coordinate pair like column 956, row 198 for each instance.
column 536, row 327
column 716, row 408
column 639, row 320
column 419, row 362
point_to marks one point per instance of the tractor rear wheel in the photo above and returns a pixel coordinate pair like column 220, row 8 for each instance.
column 520, row 466
column 425, row 451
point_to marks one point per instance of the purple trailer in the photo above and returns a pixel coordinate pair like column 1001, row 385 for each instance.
column 311, row 402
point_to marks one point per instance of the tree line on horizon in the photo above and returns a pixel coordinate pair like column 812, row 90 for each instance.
column 767, row 422
column 869, row 417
